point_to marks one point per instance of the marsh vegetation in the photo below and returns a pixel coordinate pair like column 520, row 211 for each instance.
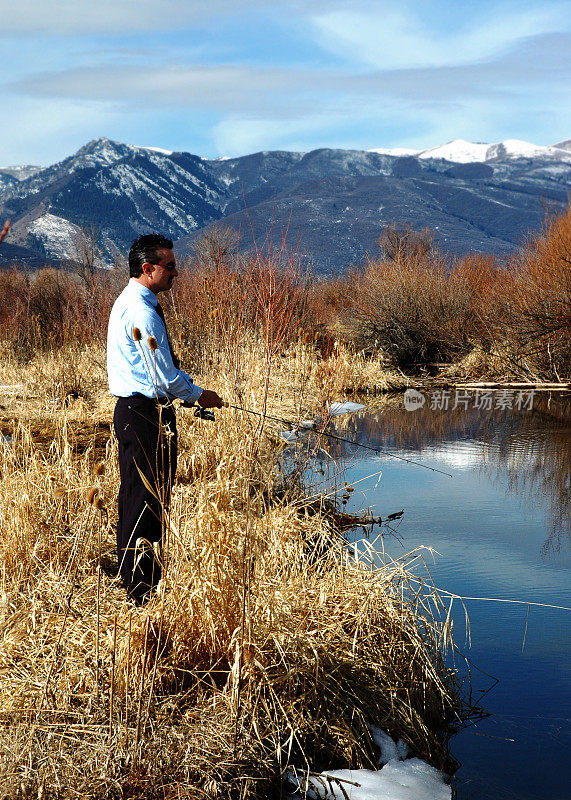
column 270, row 644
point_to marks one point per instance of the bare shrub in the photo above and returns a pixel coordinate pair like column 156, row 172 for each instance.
column 537, row 299
column 51, row 308
column 411, row 310
column 87, row 256
column 14, row 294
column 403, row 242
column 224, row 300
column 218, row 244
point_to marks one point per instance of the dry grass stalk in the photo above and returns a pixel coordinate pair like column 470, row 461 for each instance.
column 112, row 687
column 307, row 651
column 269, row 642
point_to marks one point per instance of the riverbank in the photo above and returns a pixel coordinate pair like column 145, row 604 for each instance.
column 268, row 644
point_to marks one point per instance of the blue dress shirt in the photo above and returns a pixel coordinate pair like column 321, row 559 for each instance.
column 132, row 367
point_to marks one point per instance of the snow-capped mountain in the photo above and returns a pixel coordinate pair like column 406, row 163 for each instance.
column 21, row 171
column 333, row 203
column 460, row 151
column 10, row 176
column 116, row 189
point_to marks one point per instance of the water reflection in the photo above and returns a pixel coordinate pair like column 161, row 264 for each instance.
column 502, row 528
column 525, row 451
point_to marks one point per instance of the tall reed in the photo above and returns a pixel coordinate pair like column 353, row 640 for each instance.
column 255, row 654
column 269, row 642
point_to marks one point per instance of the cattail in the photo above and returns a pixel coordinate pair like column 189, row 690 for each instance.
column 307, row 338
column 99, row 504
column 153, row 344
column 59, row 493
column 93, row 492
column 300, row 333
column 100, row 468
column 316, row 336
column 137, row 335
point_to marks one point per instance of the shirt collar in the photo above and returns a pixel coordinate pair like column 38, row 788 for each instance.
column 143, row 292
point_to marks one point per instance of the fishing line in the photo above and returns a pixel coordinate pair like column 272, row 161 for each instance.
column 308, row 429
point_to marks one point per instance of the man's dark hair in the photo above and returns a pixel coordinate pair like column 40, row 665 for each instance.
column 145, row 249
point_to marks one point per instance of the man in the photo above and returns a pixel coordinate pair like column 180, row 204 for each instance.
column 144, row 376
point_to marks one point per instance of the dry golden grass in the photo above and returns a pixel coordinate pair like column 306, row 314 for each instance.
column 268, row 644
column 482, row 364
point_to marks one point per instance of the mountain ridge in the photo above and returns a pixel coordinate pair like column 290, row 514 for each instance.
column 334, row 203
column 461, row 151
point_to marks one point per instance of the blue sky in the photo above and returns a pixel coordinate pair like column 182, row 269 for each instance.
column 227, row 77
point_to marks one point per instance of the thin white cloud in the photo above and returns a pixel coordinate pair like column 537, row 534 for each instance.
column 222, row 87
column 394, row 37
column 487, row 81
column 543, row 62
column 111, row 16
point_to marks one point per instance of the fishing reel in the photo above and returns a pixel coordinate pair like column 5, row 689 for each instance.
column 204, row 413
column 201, row 413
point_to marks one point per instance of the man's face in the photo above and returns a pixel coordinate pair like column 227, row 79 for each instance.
column 163, row 272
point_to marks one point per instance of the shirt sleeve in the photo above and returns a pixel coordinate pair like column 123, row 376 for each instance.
column 163, row 374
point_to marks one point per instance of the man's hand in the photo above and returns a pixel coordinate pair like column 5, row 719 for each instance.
column 5, row 229
column 209, row 399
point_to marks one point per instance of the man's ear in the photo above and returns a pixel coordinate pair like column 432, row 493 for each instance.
column 147, row 268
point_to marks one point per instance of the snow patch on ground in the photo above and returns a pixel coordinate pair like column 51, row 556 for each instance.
column 390, row 750
column 100, row 152
column 11, row 388
column 400, row 778
column 58, row 235
column 555, row 169
column 516, row 148
column 339, row 408
column 226, row 181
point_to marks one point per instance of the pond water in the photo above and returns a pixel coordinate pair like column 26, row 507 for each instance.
column 501, row 529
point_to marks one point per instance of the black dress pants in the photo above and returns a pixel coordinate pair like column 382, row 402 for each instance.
column 146, row 432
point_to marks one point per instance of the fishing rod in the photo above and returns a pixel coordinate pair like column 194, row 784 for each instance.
column 378, row 450
column 309, row 428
